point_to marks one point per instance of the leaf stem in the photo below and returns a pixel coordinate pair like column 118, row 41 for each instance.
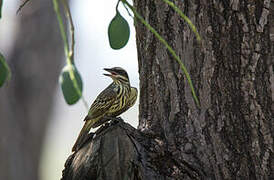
column 62, row 28
column 1, row 4
column 69, row 52
column 68, row 14
column 20, row 7
column 117, row 5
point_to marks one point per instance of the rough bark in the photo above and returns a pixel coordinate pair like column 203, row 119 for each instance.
column 230, row 136
column 26, row 100
column 116, row 152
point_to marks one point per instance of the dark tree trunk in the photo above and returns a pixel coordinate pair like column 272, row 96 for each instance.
column 231, row 135
column 26, row 100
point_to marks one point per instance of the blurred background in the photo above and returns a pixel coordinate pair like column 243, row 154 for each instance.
column 37, row 127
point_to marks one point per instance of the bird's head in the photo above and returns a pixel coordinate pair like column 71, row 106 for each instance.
column 118, row 74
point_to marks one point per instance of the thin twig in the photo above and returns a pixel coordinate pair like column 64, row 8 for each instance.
column 68, row 14
column 62, row 28
column 117, row 5
column 128, row 11
column 22, row 5
column 69, row 52
column 1, row 3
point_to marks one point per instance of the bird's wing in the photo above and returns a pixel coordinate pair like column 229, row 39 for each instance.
column 102, row 103
column 133, row 96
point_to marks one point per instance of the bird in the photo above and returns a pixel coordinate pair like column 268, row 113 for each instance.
column 115, row 99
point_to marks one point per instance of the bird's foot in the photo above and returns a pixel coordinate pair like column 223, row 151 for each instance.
column 115, row 120
column 112, row 121
column 102, row 128
column 89, row 137
column 112, row 118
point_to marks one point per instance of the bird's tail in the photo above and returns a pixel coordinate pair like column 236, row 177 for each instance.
column 82, row 136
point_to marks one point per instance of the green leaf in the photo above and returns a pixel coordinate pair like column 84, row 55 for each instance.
column 1, row 3
column 118, row 32
column 4, row 70
column 71, row 83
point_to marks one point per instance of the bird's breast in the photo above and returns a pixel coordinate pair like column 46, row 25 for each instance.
column 120, row 102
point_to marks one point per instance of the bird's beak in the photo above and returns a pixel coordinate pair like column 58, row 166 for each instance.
column 112, row 73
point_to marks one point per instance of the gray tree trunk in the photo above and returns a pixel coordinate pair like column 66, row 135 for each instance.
column 26, row 100
column 231, row 135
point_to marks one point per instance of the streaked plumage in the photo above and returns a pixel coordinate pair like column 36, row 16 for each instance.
column 111, row 102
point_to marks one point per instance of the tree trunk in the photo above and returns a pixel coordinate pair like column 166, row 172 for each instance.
column 25, row 101
column 230, row 136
